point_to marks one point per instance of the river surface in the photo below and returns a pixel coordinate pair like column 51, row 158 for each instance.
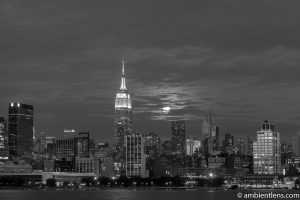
column 126, row 194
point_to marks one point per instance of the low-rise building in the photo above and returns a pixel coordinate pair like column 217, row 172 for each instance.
column 10, row 167
column 87, row 165
column 216, row 162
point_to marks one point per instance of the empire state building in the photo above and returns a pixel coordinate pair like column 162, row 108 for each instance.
column 123, row 114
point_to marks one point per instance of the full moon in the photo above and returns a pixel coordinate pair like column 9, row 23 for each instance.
column 166, row 109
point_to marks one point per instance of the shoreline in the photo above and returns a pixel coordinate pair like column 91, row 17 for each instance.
column 141, row 188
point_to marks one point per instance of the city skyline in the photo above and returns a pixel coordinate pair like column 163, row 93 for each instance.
column 65, row 59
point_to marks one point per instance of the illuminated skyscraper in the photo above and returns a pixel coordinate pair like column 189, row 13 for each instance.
column 178, row 137
column 266, row 151
column 123, row 114
column 20, row 129
column 135, row 155
column 3, row 139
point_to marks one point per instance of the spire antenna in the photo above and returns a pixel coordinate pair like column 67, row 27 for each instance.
column 123, row 79
column 123, row 67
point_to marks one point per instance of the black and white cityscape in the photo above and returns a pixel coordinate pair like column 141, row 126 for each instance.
column 135, row 158
column 134, row 96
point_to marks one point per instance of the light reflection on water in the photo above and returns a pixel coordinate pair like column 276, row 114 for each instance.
column 119, row 194
column 114, row 194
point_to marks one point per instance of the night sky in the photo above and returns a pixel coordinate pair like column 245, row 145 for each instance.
column 240, row 59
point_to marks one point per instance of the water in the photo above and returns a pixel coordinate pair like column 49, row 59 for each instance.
column 124, row 194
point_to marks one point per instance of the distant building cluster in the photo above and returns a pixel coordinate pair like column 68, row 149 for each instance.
column 75, row 154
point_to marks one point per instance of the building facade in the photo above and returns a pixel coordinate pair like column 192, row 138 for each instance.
column 266, row 151
column 107, row 168
column 11, row 167
column 135, row 155
column 82, row 145
column 296, row 144
column 65, row 149
column 228, row 143
column 103, row 151
column 123, row 114
column 87, row 165
column 152, row 144
column 216, row 162
column 193, row 146
column 20, row 129
column 178, row 137
column 241, row 145
column 3, row 139
column 50, row 145
column 210, row 135
column 250, row 146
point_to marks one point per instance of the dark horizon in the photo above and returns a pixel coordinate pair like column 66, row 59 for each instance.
column 238, row 59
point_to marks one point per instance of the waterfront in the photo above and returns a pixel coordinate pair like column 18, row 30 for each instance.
column 126, row 194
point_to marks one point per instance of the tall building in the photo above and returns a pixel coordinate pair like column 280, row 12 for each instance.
column 241, row 146
column 92, row 147
column 3, row 139
column 20, row 129
column 228, row 143
column 286, row 152
column 123, row 114
column 193, row 146
column 210, row 135
column 178, row 137
column 266, row 151
column 82, row 145
column 152, row 143
column 65, row 149
column 39, row 143
column 50, row 145
column 250, row 146
column 135, row 155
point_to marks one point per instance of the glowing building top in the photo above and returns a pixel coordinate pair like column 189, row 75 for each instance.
column 123, row 99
